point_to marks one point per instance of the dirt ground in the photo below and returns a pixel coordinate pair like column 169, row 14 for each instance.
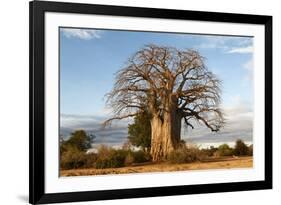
column 217, row 163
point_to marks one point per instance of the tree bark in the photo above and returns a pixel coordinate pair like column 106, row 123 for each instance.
column 165, row 136
column 156, row 150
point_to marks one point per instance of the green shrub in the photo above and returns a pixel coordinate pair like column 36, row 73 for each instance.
column 225, row 150
column 139, row 133
column 240, row 148
column 185, row 155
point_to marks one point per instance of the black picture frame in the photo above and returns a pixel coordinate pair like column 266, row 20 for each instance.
column 37, row 194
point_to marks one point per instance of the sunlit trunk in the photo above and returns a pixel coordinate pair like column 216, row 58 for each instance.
column 156, row 150
column 165, row 136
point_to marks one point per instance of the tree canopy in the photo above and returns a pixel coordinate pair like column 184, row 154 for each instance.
column 172, row 85
column 156, row 75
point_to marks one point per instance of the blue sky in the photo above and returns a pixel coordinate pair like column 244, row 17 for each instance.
column 89, row 58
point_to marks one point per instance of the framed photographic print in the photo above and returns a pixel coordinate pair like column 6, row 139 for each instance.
column 141, row 102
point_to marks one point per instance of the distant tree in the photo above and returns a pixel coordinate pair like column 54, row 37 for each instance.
column 225, row 150
column 250, row 150
column 240, row 148
column 73, row 150
column 140, row 131
column 210, row 151
column 80, row 140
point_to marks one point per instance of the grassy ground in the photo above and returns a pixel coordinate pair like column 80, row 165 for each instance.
column 215, row 163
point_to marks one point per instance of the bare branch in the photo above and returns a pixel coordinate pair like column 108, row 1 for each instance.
column 107, row 122
column 188, row 123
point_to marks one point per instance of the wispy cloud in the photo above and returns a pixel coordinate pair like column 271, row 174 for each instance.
column 247, row 49
column 227, row 44
column 84, row 34
column 213, row 42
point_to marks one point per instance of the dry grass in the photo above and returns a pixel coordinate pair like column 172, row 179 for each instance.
column 215, row 163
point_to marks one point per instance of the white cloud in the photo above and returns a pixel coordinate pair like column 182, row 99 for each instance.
column 247, row 49
column 84, row 34
column 214, row 42
column 228, row 44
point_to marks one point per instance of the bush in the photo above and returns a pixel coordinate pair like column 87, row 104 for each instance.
column 141, row 156
column 104, row 151
column 225, row 150
column 250, row 150
column 241, row 148
column 209, row 151
column 129, row 160
column 72, row 158
column 185, row 155
column 89, row 160
column 110, row 158
column 113, row 158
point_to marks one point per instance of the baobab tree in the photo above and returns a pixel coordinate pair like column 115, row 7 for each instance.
column 174, row 86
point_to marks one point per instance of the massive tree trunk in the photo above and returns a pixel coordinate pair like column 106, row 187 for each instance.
column 165, row 133
column 156, row 150
column 165, row 136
